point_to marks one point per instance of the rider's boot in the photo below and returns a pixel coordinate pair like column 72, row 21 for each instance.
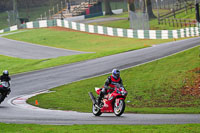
column 100, row 99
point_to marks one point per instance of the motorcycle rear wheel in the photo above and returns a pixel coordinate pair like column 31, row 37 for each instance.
column 119, row 110
column 96, row 111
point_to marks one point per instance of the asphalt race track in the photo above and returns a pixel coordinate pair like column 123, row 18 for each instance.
column 31, row 51
column 86, row 21
column 28, row 83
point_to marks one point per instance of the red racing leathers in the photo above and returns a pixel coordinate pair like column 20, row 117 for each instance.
column 110, row 83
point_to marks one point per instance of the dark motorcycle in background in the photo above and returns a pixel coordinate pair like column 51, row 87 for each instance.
column 4, row 90
column 112, row 102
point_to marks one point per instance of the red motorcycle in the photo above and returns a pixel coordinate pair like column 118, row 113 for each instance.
column 112, row 102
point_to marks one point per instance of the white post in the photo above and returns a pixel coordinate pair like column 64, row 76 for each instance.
column 158, row 15
column 49, row 14
column 57, row 8
column 53, row 10
column 45, row 14
column 61, row 6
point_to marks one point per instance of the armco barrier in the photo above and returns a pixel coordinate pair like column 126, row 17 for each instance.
column 141, row 34
column 129, row 33
column 12, row 28
column 198, row 24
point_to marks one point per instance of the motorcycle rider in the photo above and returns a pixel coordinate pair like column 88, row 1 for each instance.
column 5, row 77
column 111, row 82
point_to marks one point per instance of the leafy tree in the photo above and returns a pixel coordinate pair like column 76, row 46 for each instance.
column 150, row 9
column 108, row 10
column 131, row 5
column 147, row 5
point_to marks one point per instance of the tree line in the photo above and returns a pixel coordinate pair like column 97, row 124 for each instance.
column 6, row 5
column 131, row 4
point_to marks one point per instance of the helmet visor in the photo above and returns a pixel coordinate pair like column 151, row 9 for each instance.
column 117, row 73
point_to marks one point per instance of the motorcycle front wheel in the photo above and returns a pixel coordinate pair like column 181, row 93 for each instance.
column 1, row 98
column 96, row 111
column 119, row 109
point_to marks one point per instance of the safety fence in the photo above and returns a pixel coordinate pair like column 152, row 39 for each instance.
column 129, row 33
column 175, row 22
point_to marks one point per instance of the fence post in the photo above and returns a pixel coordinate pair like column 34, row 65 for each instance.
column 53, row 10
column 49, row 14
column 45, row 14
column 168, row 4
column 163, row 3
column 174, row 13
column 185, row 23
column 185, row 7
column 189, row 23
column 197, row 11
column 158, row 12
column 65, row 3
column 57, row 8
column 61, row 6
column 180, row 22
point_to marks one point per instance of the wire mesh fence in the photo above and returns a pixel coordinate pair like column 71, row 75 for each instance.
column 20, row 11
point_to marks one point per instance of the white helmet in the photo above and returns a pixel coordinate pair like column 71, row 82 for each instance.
column 116, row 73
column 5, row 73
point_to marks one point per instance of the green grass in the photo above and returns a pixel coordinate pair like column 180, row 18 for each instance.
column 125, row 24
column 12, row 32
column 82, row 41
column 101, row 45
column 155, row 26
column 189, row 15
column 152, row 88
column 33, row 128
column 153, row 22
column 79, row 41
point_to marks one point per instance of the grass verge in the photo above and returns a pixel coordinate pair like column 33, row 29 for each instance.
column 153, row 22
column 32, row 128
column 156, row 87
column 60, row 38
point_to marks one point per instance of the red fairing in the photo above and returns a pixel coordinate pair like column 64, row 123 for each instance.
column 109, row 90
column 110, row 99
column 1, row 86
column 117, row 100
column 98, row 91
column 107, row 108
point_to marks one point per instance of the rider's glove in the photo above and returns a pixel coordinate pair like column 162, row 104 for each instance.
column 106, row 87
